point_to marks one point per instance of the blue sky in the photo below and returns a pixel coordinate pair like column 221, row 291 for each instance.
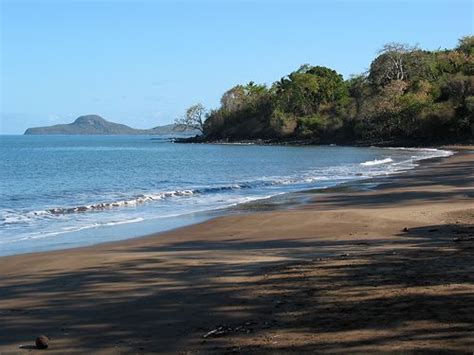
column 143, row 62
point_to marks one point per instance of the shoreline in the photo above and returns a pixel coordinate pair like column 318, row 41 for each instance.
column 290, row 199
column 388, row 269
column 199, row 139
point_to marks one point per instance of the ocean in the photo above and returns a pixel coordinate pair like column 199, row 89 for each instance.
column 58, row 192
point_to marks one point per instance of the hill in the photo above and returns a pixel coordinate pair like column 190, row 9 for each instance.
column 96, row 125
column 409, row 96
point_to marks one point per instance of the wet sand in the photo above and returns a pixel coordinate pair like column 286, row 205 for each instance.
column 387, row 270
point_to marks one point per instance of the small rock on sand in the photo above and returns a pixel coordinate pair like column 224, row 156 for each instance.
column 42, row 342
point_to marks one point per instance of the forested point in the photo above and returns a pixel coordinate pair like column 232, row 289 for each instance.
column 408, row 96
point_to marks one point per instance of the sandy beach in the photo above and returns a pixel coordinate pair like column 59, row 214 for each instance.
column 385, row 270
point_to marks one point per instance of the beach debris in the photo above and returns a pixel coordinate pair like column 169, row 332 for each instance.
column 42, row 342
column 214, row 332
column 225, row 329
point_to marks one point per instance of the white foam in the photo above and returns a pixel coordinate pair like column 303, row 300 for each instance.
column 437, row 152
column 377, row 162
column 65, row 230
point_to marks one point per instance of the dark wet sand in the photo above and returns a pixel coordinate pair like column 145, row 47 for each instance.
column 388, row 270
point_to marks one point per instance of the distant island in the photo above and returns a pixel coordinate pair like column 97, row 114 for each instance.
column 96, row 125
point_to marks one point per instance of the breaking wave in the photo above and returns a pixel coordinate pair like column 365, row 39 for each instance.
column 377, row 162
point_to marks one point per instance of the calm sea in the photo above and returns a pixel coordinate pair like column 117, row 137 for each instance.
column 66, row 191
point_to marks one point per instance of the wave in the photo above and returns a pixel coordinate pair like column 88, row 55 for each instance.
column 65, row 230
column 418, row 149
column 426, row 152
column 15, row 217
column 138, row 200
column 12, row 217
column 145, row 198
column 377, row 162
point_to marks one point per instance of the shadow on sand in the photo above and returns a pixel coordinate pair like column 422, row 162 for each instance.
column 170, row 308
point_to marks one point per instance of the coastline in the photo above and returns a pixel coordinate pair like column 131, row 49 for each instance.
column 122, row 228
column 409, row 143
column 265, row 276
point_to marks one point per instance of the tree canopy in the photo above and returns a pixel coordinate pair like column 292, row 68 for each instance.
column 408, row 95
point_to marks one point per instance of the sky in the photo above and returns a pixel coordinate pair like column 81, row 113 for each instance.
column 142, row 63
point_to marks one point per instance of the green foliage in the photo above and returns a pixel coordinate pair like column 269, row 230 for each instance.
column 303, row 91
column 457, row 87
column 466, row 45
column 317, row 126
column 470, row 104
column 437, row 120
column 245, row 113
column 282, row 124
column 408, row 94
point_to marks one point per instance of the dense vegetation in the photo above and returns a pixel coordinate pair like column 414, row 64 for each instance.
column 408, row 95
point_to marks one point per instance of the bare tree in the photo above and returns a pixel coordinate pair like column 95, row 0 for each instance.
column 396, row 52
column 391, row 64
column 193, row 118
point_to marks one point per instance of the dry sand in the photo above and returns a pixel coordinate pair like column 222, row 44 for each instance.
column 388, row 270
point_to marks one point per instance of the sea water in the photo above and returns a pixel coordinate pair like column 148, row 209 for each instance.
column 67, row 191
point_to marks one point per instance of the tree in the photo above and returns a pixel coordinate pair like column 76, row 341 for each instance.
column 193, row 118
column 331, row 84
column 358, row 90
column 233, row 99
column 466, row 45
column 303, row 91
column 296, row 93
column 242, row 96
column 391, row 63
